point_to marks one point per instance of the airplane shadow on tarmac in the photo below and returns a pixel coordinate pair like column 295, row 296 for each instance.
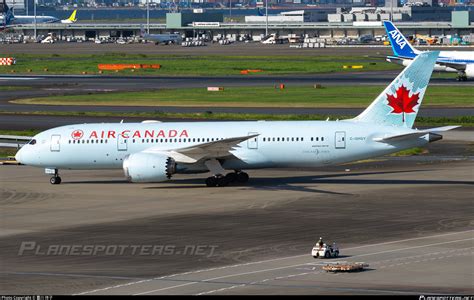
column 288, row 183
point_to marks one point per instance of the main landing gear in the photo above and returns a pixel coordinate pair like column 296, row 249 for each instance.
column 221, row 180
column 462, row 77
column 55, row 179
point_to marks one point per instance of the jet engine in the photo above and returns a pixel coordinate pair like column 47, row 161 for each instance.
column 470, row 70
column 148, row 167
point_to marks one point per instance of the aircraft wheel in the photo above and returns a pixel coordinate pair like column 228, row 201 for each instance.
column 231, row 177
column 211, row 181
column 242, row 177
column 55, row 180
column 222, row 181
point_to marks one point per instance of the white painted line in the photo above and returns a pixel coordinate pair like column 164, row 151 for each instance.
column 265, row 261
column 286, row 267
column 393, row 265
column 18, row 78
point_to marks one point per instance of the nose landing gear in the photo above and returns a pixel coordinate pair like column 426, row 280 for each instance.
column 55, row 179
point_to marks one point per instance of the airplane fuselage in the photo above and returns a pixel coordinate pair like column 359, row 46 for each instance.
column 278, row 144
column 24, row 20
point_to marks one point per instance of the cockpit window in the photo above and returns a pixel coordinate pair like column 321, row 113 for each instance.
column 32, row 142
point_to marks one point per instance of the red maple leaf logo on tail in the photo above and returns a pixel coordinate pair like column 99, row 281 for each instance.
column 402, row 102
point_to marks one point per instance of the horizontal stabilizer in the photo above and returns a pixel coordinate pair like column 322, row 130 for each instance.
column 415, row 134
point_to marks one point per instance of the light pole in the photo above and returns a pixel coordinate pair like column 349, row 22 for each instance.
column 230, row 9
column 391, row 10
column 266, row 17
column 148, row 16
column 34, row 11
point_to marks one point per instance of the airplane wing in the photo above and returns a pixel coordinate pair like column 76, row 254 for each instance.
column 451, row 64
column 411, row 135
column 210, row 150
column 14, row 141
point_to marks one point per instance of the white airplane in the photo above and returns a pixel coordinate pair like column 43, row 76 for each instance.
column 152, row 151
column 10, row 20
column 165, row 38
column 461, row 62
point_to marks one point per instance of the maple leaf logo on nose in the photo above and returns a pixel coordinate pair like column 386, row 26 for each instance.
column 77, row 134
column 401, row 102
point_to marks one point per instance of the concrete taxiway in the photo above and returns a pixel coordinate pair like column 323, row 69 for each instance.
column 256, row 49
column 411, row 219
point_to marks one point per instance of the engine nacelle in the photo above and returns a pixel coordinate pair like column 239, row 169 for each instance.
column 148, row 167
column 470, row 70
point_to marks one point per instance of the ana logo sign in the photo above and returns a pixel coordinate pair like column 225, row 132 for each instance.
column 398, row 38
column 77, row 134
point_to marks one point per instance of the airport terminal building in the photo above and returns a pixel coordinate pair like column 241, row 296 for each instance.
column 322, row 24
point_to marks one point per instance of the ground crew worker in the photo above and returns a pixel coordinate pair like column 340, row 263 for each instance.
column 320, row 243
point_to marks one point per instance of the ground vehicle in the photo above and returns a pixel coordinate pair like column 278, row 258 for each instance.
column 326, row 251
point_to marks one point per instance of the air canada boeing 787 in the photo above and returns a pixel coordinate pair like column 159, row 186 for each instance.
column 152, row 151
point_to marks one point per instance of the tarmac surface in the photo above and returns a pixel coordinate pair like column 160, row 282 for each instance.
column 254, row 49
column 409, row 218
column 211, row 49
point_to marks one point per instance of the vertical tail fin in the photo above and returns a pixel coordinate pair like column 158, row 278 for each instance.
column 72, row 18
column 399, row 103
column 400, row 45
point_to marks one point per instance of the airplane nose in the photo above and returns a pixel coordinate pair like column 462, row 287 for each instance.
column 18, row 156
